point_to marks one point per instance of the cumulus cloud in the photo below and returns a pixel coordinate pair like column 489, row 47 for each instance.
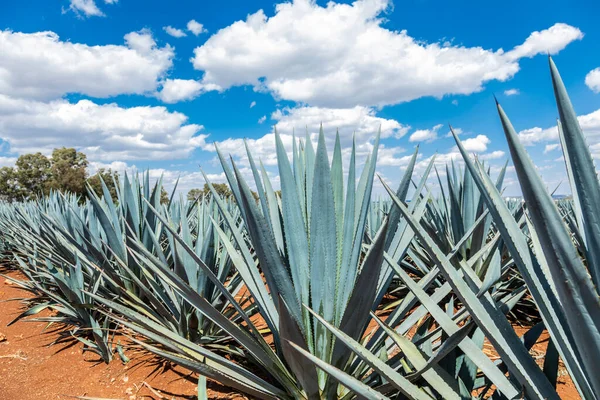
column 195, row 27
column 590, row 124
column 349, row 58
column 477, row 144
column 103, row 132
column 178, row 33
column 87, row 8
column 175, row 90
column 458, row 132
column 359, row 123
column 252, row 104
column 511, row 92
column 425, row 135
column 550, row 41
column 592, row 80
column 551, row 147
column 41, row 66
column 262, row 119
column 494, row 155
column 362, row 121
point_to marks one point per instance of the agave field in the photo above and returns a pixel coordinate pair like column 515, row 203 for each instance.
column 317, row 291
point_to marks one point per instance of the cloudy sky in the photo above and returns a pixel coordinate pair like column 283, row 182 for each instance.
column 151, row 84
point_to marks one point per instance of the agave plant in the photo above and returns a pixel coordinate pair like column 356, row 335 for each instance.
column 307, row 263
column 559, row 280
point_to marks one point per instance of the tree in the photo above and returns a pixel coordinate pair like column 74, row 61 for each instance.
column 107, row 176
column 9, row 186
column 68, row 171
column 33, row 174
column 164, row 196
column 221, row 188
column 195, row 194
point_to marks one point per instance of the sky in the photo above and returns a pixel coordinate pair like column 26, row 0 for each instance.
column 153, row 85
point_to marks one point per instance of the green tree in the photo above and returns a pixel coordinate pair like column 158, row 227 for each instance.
column 68, row 171
column 33, row 175
column 9, row 186
column 221, row 188
column 164, row 196
column 195, row 194
column 107, row 176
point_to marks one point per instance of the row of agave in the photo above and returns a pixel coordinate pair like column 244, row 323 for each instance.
column 197, row 283
column 71, row 252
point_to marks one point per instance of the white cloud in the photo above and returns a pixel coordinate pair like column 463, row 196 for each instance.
column 477, row 144
column 103, row 132
column 7, row 161
column 262, row 119
column 534, row 135
column 348, row 58
column 178, row 33
column 458, row 132
column 87, row 8
column 175, row 90
column 195, row 27
column 511, row 92
column 551, row 41
column 592, row 80
column 551, row 147
column 494, row 155
column 425, row 135
column 358, row 122
column 590, row 125
column 252, row 104
column 111, row 1
column 41, row 66
column 454, row 102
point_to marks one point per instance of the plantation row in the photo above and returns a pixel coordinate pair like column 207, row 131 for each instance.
column 196, row 282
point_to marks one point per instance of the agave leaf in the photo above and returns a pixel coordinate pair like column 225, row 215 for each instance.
column 582, row 171
column 303, row 369
column 362, row 390
column 356, row 317
column 350, row 256
column 337, row 182
column 576, row 291
column 295, row 237
column 447, row 346
column 388, row 373
column 533, row 275
column 273, row 210
column 435, row 376
column 271, row 261
column 488, row 318
column 258, row 182
column 472, row 350
column 323, row 245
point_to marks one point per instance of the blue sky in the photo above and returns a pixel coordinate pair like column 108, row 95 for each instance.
column 153, row 84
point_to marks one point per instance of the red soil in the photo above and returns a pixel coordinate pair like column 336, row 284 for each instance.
column 31, row 370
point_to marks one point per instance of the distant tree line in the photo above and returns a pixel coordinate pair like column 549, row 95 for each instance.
column 222, row 190
column 35, row 175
